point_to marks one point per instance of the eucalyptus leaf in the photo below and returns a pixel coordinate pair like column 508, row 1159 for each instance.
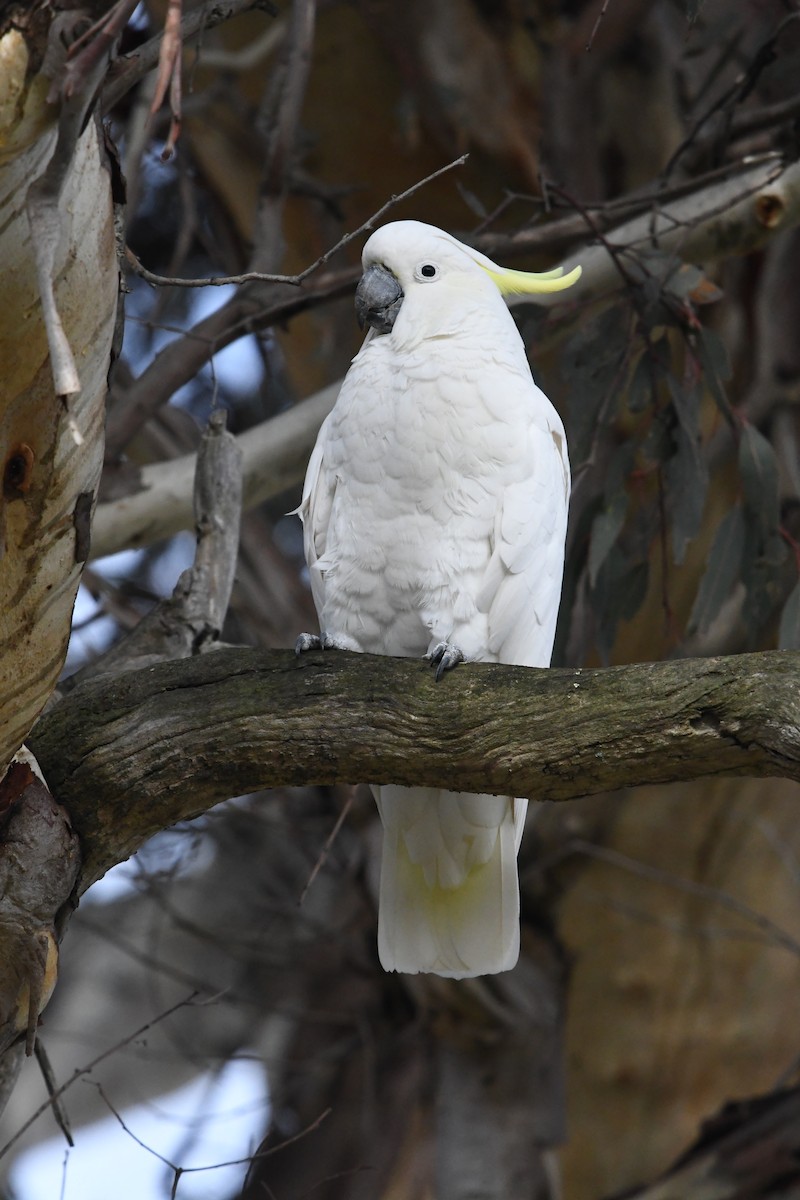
column 686, row 480
column 712, row 355
column 650, row 369
column 758, row 468
column 618, row 595
column 592, row 365
column 722, row 571
column 606, row 528
column 789, row 629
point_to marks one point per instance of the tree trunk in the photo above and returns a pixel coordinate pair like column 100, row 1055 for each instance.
column 51, row 445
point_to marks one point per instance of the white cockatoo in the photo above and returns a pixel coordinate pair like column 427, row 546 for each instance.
column 434, row 515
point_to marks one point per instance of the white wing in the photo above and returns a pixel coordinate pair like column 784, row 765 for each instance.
column 315, row 512
column 522, row 585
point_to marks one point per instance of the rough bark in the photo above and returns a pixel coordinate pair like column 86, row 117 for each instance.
column 39, row 858
column 50, row 443
column 132, row 755
column 749, row 1149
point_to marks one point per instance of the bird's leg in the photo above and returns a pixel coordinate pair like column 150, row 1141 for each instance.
column 327, row 641
column 307, row 641
column 444, row 656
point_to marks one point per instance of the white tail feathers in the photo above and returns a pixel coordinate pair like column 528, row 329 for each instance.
column 449, row 896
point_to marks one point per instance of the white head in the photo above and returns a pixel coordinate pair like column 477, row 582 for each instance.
column 423, row 271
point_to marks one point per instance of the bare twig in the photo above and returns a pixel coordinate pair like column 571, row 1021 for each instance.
column 326, row 849
column 178, row 1170
column 735, row 94
column 128, row 70
column 182, row 358
column 773, row 933
column 59, row 1112
column 596, row 26
column 301, row 276
column 80, row 1072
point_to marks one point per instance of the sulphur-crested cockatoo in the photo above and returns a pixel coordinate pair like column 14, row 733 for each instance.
column 434, row 514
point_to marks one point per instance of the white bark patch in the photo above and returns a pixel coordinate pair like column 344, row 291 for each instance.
column 51, row 446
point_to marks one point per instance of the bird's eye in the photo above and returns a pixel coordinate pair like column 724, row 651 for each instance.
column 427, row 270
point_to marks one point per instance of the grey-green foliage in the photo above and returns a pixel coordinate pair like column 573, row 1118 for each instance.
column 638, row 377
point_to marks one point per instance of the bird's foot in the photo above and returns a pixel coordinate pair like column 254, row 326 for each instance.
column 307, row 641
column 328, row 641
column 444, row 657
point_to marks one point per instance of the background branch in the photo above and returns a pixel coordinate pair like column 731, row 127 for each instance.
column 712, row 222
column 274, row 456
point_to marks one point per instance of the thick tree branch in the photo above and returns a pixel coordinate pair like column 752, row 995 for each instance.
column 131, row 755
column 732, row 217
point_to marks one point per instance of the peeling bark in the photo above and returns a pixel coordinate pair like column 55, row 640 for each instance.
column 50, row 445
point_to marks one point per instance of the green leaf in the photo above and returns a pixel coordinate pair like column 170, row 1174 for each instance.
column 620, row 591
column 608, row 523
column 713, row 357
column 789, row 629
column 686, row 472
column 606, row 528
column 686, row 402
column 686, row 480
column 758, row 468
column 683, row 280
column 762, row 572
column 722, row 570
column 592, row 366
column 641, row 385
column 651, row 367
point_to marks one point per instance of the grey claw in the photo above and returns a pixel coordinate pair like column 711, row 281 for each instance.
column 444, row 657
column 307, row 641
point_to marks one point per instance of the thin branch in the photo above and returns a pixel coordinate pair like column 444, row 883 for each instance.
column 326, row 849
column 735, row 94
column 59, row 1112
column 178, row 1170
column 301, row 276
column 126, row 72
column 80, row 1072
column 596, row 26
column 734, row 216
column 730, row 214
column 772, row 933
column 181, row 359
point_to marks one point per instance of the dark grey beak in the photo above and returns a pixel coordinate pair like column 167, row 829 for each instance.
column 378, row 299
